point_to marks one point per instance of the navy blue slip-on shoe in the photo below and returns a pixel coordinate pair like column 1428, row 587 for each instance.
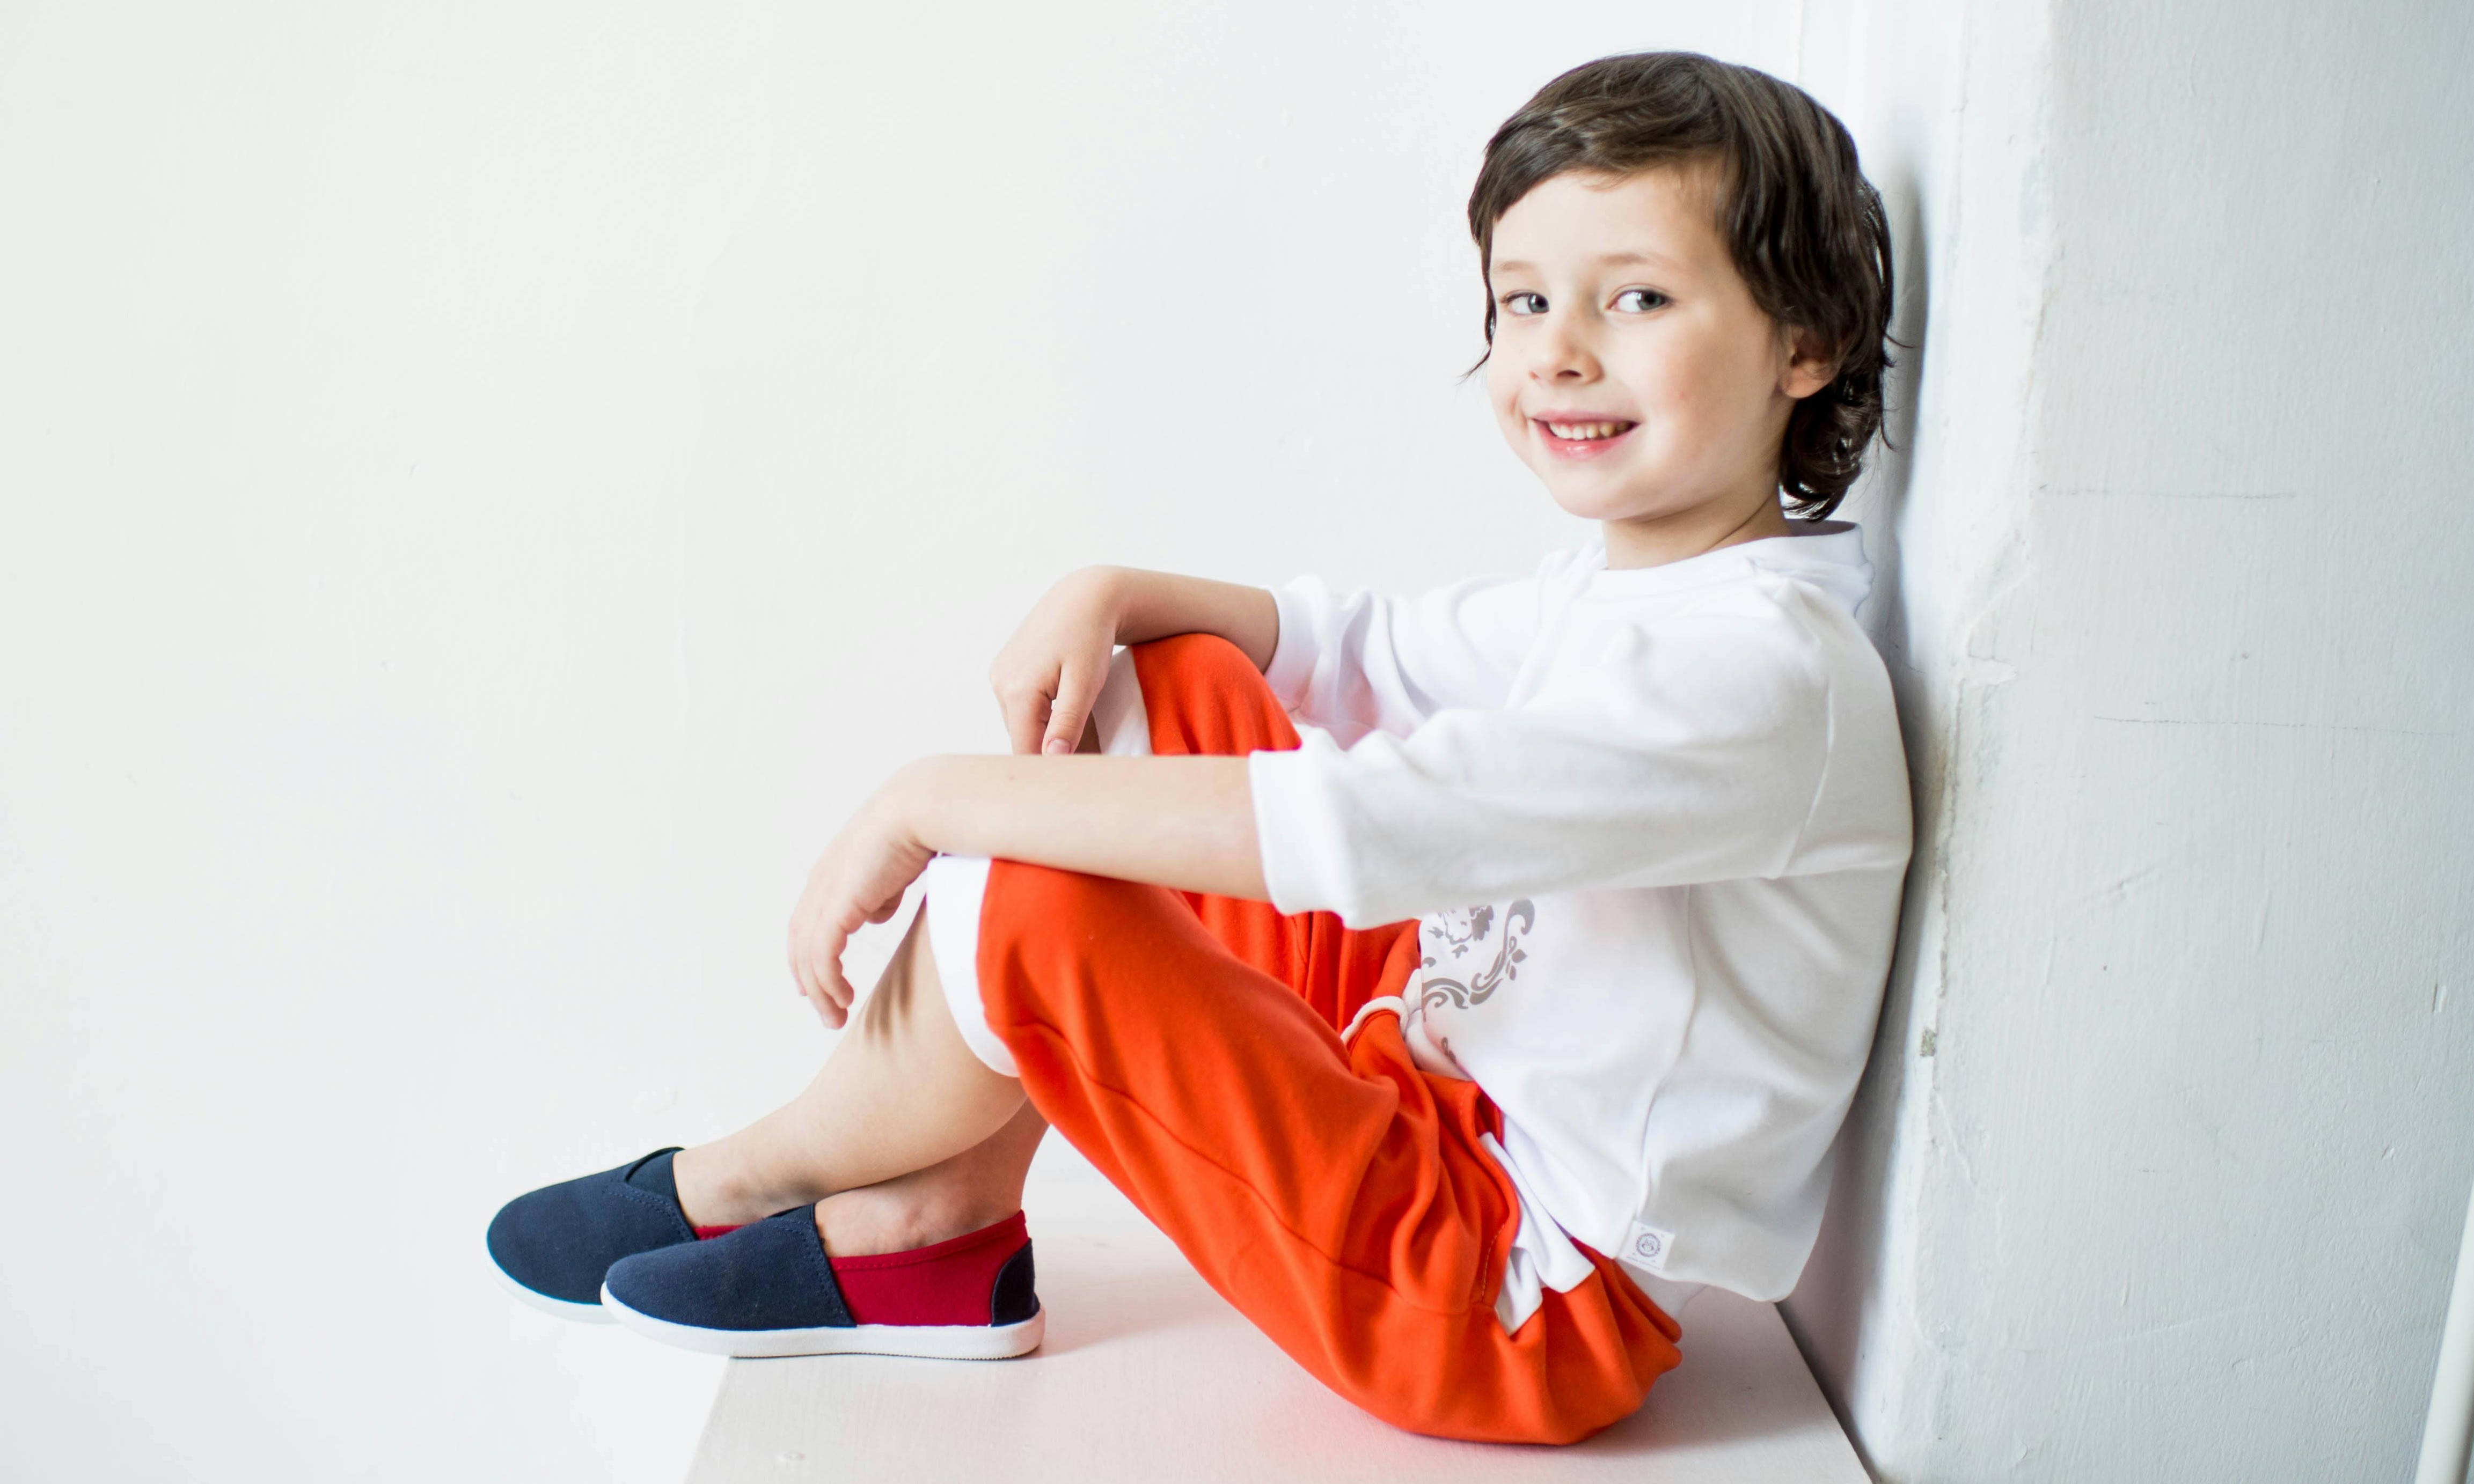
column 768, row 1289
column 550, row 1248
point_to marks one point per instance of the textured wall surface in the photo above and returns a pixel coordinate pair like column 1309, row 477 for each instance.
column 2160, row 1168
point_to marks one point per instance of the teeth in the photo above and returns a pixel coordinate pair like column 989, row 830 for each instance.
column 1585, row 430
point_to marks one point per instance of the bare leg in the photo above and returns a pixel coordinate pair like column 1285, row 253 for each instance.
column 905, row 1139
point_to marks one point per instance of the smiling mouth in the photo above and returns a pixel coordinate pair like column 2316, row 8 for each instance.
column 1588, row 432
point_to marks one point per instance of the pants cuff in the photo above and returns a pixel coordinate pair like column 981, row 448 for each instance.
column 1125, row 727
column 950, row 891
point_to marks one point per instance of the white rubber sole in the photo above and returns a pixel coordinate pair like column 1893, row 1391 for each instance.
column 941, row 1342
column 581, row 1314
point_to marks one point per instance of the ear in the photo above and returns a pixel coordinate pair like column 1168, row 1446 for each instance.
column 1812, row 364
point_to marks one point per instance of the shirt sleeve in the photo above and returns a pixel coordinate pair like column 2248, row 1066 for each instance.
column 1360, row 661
column 1695, row 755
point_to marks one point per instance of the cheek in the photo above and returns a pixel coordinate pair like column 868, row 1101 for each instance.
column 1699, row 385
column 1503, row 395
column 1502, row 389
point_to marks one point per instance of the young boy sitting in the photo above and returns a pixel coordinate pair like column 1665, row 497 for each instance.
column 1214, row 922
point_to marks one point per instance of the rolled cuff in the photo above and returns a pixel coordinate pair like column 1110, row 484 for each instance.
column 951, row 890
column 1294, row 653
column 1304, row 827
column 1117, row 711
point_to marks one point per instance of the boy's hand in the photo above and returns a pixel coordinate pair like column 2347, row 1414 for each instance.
column 1049, row 673
column 859, row 880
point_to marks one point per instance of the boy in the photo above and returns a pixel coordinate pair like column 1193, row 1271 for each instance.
column 1463, row 1163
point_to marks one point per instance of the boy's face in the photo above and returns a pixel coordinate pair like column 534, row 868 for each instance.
column 1631, row 367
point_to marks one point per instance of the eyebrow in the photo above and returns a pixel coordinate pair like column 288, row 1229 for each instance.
column 1651, row 259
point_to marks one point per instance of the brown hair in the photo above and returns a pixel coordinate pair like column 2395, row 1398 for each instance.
column 1804, row 227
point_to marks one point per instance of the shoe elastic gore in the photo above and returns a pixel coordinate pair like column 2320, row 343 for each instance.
column 768, row 1289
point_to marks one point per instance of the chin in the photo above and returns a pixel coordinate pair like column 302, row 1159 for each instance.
column 1591, row 503
column 1586, row 510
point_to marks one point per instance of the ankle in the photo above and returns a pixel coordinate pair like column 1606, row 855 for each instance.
column 874, row 1219
column 716, row 1190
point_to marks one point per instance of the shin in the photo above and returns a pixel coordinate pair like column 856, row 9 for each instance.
column 903, row 1118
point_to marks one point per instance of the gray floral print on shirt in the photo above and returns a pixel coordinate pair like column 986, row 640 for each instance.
column 1457, row 933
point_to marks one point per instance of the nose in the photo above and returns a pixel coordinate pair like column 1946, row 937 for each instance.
column 1562, row 350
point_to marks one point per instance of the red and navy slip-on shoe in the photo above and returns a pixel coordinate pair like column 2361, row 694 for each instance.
column 552, row 1247
column 769, row 1289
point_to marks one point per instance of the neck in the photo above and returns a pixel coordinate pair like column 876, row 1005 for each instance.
column 1658, row 540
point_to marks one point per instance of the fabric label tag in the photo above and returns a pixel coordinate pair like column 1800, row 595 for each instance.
column 1649, row 1246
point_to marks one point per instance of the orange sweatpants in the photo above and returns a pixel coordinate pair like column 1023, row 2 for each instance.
column 1189, row 1045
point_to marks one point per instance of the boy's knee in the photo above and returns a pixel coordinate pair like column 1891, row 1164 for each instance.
column 1204, row 696
column 1204, row 656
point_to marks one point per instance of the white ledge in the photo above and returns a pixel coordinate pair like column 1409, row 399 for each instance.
column 1148, row 1374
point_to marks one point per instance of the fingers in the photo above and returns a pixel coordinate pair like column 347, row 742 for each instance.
column 860, row 879
column 816, row 945
column 1026, row 718
column 806, row 957
column 827, row 964
column 1026, row 713
column 1077, row 689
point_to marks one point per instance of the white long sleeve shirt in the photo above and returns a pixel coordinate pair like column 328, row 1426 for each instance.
column 1654, row 825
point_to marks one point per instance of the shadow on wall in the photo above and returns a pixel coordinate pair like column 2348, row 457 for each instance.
column 1827, row 1311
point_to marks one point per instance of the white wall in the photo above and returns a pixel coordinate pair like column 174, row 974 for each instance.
column 2160, row 1169
column 485, row 488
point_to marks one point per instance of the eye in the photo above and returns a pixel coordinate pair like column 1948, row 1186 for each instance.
column 1524, row 303
column 1640, row 300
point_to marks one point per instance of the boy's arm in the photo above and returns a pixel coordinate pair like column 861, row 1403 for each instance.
column 1698, row 753
column 1183, row 823
column 1352, row 662
column 1154, row 605
column 1049, row 674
